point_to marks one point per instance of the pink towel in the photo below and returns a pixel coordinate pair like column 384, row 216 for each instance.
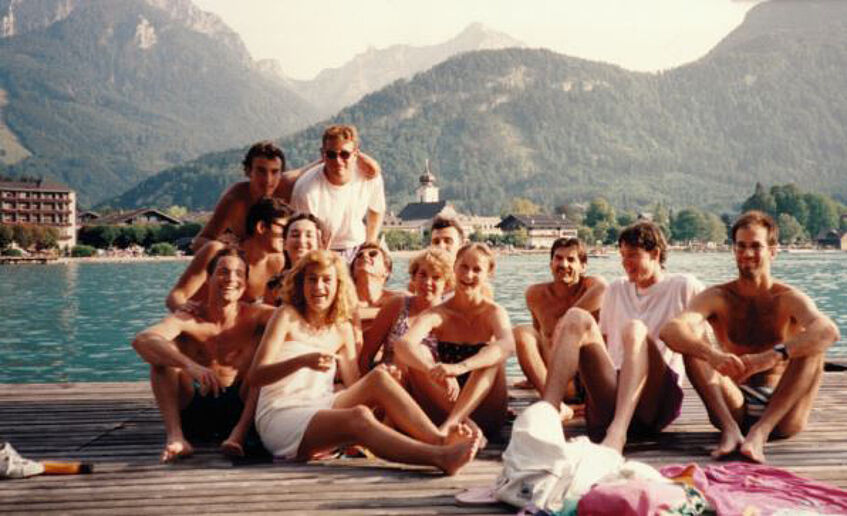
column 735, row 486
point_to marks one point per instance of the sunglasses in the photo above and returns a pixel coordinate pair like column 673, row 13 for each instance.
column 372, row 253
column 331, row 154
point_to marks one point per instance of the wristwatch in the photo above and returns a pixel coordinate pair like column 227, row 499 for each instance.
column 782, row 350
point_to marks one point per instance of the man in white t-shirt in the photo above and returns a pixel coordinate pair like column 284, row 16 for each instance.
column 348, row 203
column 632, row 379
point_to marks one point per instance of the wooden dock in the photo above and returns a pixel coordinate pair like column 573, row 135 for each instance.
column 117, row 427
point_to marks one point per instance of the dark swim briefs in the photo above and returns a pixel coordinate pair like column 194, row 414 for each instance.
column 667, row 412
column 453, row 353
column 210, row 417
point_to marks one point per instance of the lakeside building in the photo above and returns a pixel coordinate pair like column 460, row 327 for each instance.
column 416, row 217
column 832, row 239
column 41, row 203
column 541, row 229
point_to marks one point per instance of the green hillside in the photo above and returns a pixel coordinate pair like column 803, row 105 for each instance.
column 768, row 104
column 116, row 91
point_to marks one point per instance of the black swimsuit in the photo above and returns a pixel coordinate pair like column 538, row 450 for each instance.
column 453, row 353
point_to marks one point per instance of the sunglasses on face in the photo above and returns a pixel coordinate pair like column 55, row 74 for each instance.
column 331, row 154
column 373, row 253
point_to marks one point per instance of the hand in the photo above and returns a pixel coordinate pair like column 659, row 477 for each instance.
column 393, row 370
column 453, row 389
column 728, row 364
column 442, row 371
column 758, row 362
column 367, row 165
column 207, row 379
column 318, row 360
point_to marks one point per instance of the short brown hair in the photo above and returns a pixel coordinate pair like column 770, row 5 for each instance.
column 442, row 222
column 345, row 301
column 228, row 251
column 386, row 259
column 757, row 218
column 266, row 210
column 438, row 260
column 341, row 132
column 263, row 149
column 645, row 235
column 570, row 242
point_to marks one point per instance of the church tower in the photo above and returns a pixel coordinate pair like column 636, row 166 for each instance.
column 427, row 191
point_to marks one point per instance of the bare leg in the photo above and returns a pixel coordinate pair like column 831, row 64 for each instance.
column 633, row 377
column 723, row 400
column 379, row 388
column 330, row 428
column 233, row 446
column 479, row 387
column 171, row 395
column 580, row 346
column 529, row 351
column 789, row 407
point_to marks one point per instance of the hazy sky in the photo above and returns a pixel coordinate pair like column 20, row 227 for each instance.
column 307, row 36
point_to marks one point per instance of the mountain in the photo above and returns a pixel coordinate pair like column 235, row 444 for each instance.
column 100, row 95
column 768, row 104
column 336, row 88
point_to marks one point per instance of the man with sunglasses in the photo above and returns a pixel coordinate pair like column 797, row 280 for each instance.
column 262, row 247
column 341, row 195
column 763, row 373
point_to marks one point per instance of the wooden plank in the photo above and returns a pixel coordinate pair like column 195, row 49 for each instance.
column 117, row 426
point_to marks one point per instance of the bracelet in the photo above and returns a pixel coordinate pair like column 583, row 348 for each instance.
column 782, row 350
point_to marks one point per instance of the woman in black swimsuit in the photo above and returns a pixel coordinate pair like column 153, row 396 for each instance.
column 474, row 339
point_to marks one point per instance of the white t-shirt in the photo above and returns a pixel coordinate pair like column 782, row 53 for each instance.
column 654, row 307
column 341, row 208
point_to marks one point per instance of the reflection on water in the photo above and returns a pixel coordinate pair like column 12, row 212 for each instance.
column 75, row 322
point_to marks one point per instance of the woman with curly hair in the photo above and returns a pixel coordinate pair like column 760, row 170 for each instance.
column 298, row 414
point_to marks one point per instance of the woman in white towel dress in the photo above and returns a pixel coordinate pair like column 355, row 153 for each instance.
column 298, row 414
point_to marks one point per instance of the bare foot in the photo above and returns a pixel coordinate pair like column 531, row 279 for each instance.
column 459, row 432
column 753, row 447
column 456, row 456
column 614, row 440
column 176, row 449
column 232, row 448
column 730, row 441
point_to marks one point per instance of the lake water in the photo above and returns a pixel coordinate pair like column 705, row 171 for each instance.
column 74, row 322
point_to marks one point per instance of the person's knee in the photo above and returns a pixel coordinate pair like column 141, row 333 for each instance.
column 361, row 420
column 634, row 335
column 576, row 321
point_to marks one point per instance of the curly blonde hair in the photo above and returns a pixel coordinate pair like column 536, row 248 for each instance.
column 345, row 301
column 437, row 260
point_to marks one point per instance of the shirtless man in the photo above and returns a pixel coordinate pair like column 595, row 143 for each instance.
column 632, row 379
column 262, row 246
column 447, row 234
column 772, row 344
column 198, row 361
column 264, row 166
column 548, row 302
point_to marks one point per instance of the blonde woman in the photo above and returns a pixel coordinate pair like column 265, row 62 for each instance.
column 474, row 339
column 298, row 415
column 430, row 274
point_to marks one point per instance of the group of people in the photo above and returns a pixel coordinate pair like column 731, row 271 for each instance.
column 281, row 332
